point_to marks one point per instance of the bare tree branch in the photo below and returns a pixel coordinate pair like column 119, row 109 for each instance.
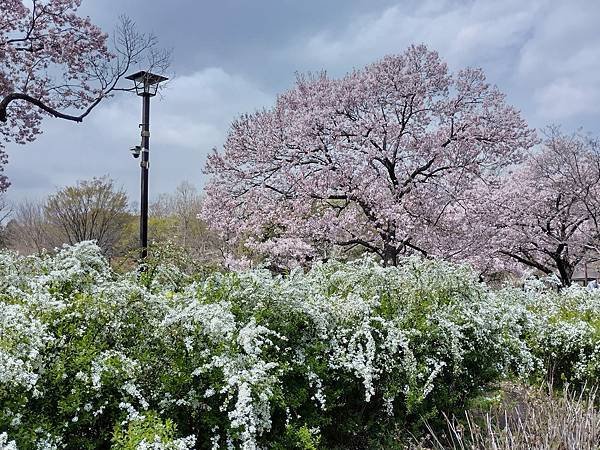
column 130, row 49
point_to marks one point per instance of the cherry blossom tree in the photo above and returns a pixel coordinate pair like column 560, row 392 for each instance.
column 547, row 213
column 56, row 63
column 387, row 159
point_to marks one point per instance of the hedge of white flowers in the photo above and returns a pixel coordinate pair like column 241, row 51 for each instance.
column 343, row 356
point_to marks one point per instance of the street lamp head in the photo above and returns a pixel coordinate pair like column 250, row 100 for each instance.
column 146, row 83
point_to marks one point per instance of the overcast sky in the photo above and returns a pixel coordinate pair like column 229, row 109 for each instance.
column 234, row 56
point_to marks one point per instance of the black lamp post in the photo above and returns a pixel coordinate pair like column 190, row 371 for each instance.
column 146, row 86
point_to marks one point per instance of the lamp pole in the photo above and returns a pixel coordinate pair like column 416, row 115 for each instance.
column 145, row 165
column 146, row 86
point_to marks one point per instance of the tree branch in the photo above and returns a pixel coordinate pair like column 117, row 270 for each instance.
column 34, row 101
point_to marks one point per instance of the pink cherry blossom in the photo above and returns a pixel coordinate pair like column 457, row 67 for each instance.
column 546, row 215
column 49, row 53
column 388, row 159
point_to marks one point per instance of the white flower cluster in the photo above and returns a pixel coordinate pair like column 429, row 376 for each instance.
column 221, row 352
column 562, row 328
column 22, row 341
column 5, row 444
column 186, row 443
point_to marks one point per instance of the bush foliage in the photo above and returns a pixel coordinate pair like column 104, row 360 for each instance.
column 343, row 356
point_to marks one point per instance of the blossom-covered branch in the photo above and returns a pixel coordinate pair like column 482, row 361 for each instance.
column 59, row 64
column 546, row 214
column 388, row 157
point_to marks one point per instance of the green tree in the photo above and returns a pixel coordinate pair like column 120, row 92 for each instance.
column 90, row 210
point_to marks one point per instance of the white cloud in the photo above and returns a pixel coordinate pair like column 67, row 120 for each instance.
column 193, row 110
column 563, row 98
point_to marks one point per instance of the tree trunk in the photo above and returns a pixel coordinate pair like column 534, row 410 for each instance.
column 565, row 271
column 390, row 255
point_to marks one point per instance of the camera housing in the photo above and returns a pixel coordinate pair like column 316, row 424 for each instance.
column 135, row 151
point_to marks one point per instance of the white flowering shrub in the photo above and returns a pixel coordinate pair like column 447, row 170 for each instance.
column 561, row 329
column 338, row 357
column 5, row 444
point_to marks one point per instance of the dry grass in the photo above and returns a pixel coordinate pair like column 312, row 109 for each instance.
column 526, row 419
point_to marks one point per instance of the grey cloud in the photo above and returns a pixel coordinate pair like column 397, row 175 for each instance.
column 234, row 56
column 544, row 54
column 561, row 61
column 192, row 117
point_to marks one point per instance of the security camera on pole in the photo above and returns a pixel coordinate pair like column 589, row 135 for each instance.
column 146, row 86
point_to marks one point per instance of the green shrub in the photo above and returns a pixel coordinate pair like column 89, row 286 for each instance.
column 149, row 432
column 561, row 329
column 342, row 356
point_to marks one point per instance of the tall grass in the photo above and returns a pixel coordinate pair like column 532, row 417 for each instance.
column 526, row 419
